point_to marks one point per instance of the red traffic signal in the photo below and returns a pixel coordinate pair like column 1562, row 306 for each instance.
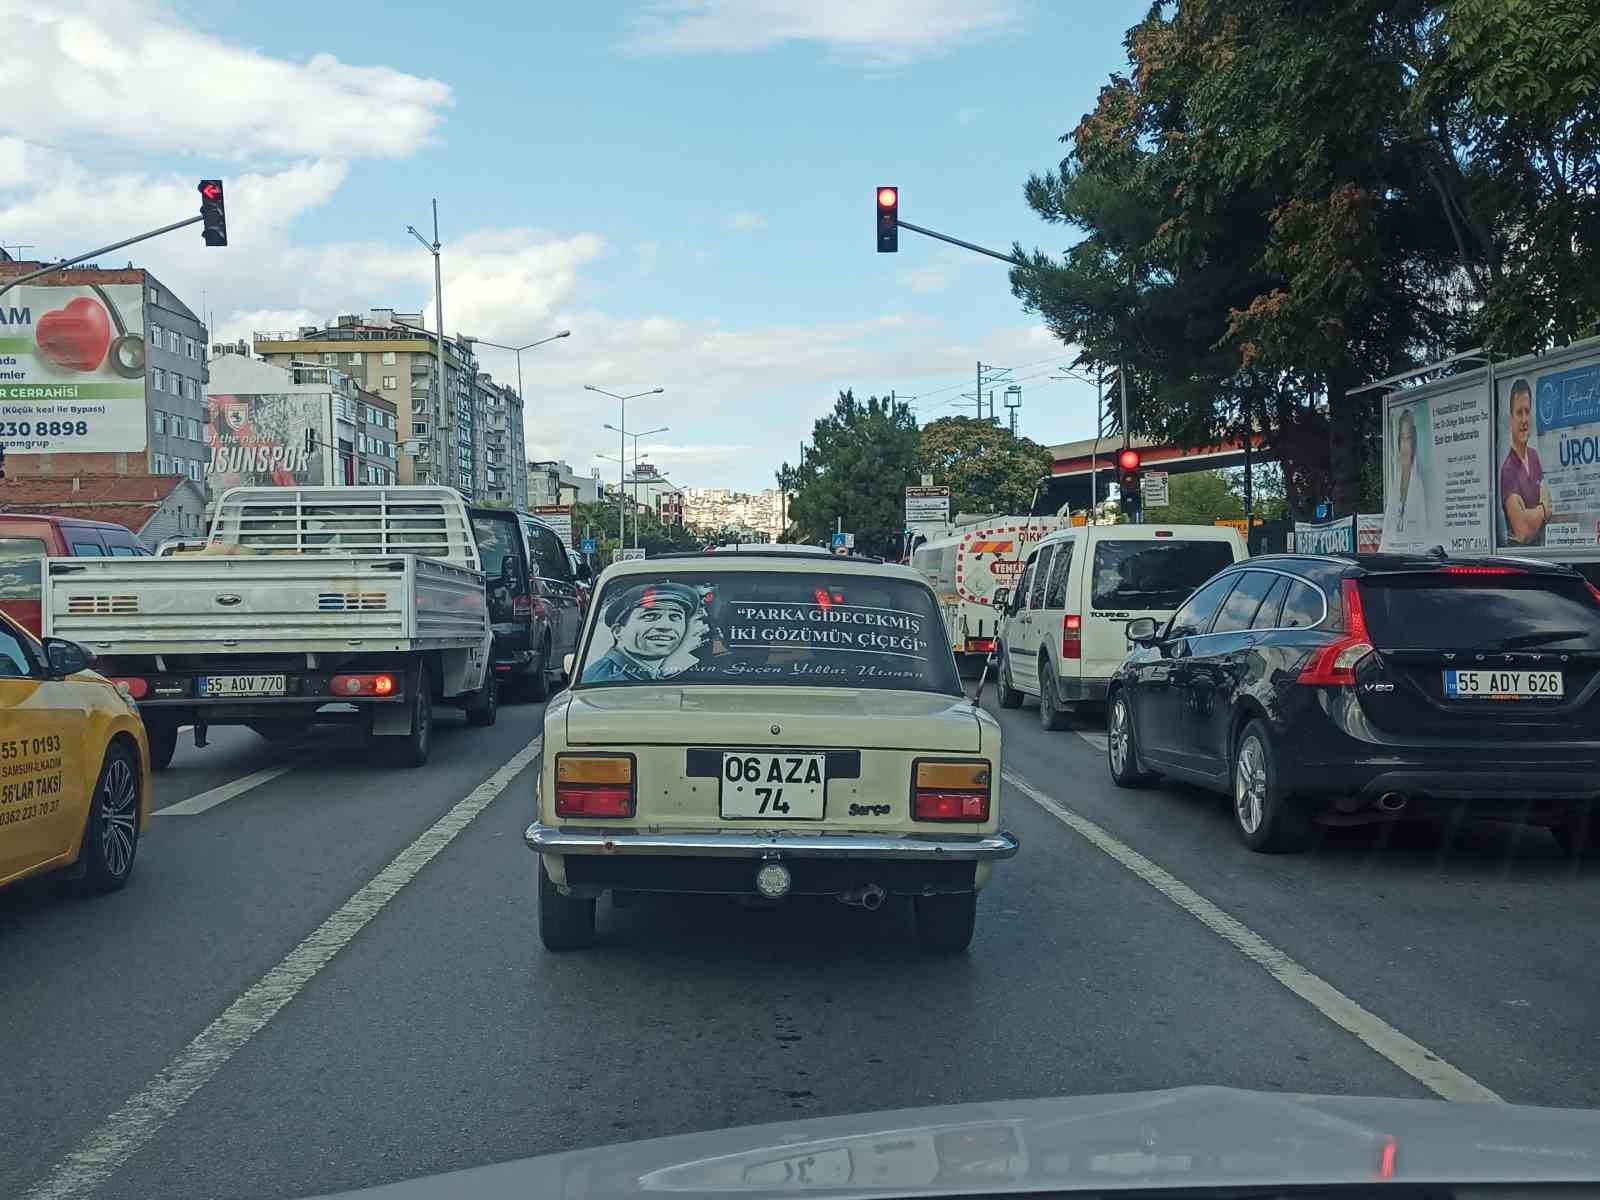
column 888, row 220
column 1128, row 460
column 213, row 217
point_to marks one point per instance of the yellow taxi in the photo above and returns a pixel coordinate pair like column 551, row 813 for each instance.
column 74, row 766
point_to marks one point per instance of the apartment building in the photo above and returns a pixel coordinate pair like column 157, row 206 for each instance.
column 553, row 481
column 710, row 510
column 127, row 359
column 442, row 430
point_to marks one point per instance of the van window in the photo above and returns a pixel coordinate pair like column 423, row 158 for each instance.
column 497, row 538
column 1267, row 614
column 1041, row 573
column 549, row 553
column 20, row 562
column 124, row 552
column 1147, row 574
column 88, row 550
column 1240, row 610
column 1024, row 581
column 1055, row 595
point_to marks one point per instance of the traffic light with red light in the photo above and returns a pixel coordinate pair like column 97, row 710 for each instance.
column 1128, row 473
column 888, row 220
column 213, row 217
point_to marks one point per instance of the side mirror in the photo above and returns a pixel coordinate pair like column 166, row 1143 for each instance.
column 1141, row 631
column 1002, row 599
column 584, row 573
column 65, row 658
column 566, row 665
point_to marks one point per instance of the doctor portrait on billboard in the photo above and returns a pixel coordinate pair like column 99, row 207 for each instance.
column 1524, row 496
column 1406, row 509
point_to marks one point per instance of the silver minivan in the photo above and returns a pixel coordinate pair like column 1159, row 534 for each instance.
column 1063, row 635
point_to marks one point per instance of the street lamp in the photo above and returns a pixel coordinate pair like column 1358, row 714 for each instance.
column 517, row 350
column 636, row 437
column 622, row 451
column 438, row 306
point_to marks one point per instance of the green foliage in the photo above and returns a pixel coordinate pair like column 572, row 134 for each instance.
column 861, row 457
column 1197, row 498
column 600, row 518
column 1280, row 201
column 987, row 468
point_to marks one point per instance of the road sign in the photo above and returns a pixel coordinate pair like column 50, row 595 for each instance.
column 588, row 546
column 841, row 540
column 627, row 554
column 1153, row 489
column 927, row 505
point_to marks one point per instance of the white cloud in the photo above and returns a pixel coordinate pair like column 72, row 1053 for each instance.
column 878, row 32
column 129, row 73
column 746, row 222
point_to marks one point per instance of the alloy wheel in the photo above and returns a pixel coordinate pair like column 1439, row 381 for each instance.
column 119, row 814
column 1117, row 736
column 1250, row 785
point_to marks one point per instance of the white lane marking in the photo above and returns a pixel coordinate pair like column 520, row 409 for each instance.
column 201, row 801
column 95, row 1159
column 1411, row 1057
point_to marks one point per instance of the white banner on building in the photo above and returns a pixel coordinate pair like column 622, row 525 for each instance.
column 72, row 369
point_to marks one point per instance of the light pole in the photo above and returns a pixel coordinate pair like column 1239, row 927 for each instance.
column 622, row 449
column 517, row 350
column 636, row 437
column 438, row 308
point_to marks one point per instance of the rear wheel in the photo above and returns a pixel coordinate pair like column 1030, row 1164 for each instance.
column 538, row 679
column 163, row 739
column 1268, row 820
column 1009, row 696
column 485, row 706
column 416, row 745
column 1122, row 747
column 1051, row 715
column 946, row 922
column 111, row 837
column 565, row 922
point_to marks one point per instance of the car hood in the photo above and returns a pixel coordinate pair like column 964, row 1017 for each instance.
column 745, row 716
column 1189, row 1137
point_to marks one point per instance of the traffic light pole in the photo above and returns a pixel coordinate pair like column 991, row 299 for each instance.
column 68, row 262
column 974, row 247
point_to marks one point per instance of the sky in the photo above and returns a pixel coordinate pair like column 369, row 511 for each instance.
column 686, row 185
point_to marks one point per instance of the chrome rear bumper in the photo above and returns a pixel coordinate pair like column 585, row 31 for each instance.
column 546, row 839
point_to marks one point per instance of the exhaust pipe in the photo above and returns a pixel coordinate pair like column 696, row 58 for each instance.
column 870, row 897
column 1392, row 801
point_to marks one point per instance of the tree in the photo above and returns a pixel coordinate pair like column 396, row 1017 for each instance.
column 988, row 469
column 861, row 457
column 1197, row 498
column 600, row 517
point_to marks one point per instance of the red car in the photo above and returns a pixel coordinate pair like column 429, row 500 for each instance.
column 26, row 539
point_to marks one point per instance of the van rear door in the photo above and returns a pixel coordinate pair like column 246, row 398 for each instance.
column 1143, row 571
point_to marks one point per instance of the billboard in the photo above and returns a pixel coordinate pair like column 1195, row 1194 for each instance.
column 1547, row 474
column 1438, row 442
column 559, row 519
column 259, row 440
column 72, row 369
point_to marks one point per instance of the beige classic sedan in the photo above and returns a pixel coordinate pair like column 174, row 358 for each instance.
column 767, row 725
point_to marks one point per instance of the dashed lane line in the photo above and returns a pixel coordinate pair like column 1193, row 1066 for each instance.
column 1410, row 1056
column 210, row 798
column 95, row 1159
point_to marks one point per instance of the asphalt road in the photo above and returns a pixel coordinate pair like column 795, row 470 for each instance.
column 440, row 1035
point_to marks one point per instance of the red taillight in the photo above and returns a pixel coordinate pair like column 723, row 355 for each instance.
column 1386, row 1159
column 1335, row 664
column 980, row 645
column 137, row 688
column 361, row 685
column 593, row 800
column 952, row 806
column 824, row 601
column 1071, row 636
column 1481, row 571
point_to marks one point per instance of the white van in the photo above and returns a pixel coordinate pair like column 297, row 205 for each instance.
column 1063, row 638
column 966, row 566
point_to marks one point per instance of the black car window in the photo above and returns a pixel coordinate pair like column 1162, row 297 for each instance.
column 1153, row 573
column 1303, row 607
column 1056, row 592
column 1041, row 572
column 1198, row 609
column 1471, row 612
column 1267, row 614
column 1239, row 610
column 498, row 537
column 552, row 551
column 14, row 660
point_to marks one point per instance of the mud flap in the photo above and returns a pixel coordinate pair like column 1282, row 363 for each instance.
column 392, row 720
